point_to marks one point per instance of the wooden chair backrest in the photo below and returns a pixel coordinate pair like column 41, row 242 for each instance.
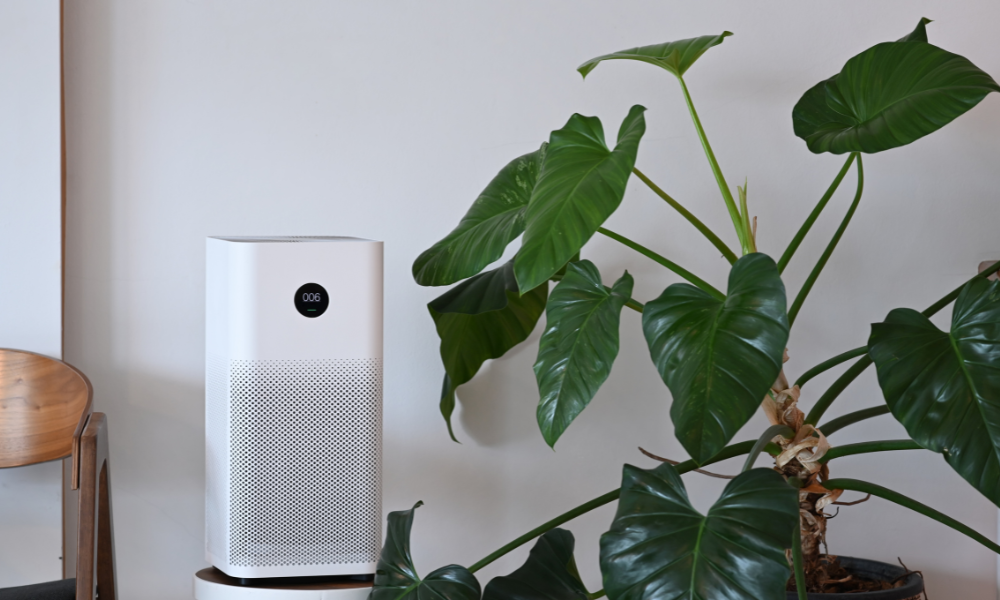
column 44, row 403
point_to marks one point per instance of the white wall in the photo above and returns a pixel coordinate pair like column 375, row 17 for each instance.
column 384, row 120
column 31, row 269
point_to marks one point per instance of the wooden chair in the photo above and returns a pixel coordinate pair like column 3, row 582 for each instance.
column 45, row 414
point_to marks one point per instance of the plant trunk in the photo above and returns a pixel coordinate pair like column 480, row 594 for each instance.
column 800, row 460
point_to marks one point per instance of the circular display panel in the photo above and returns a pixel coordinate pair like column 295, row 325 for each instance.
column 311, row 300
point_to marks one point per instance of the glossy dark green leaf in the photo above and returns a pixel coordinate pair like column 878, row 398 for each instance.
column 719, row 358
column 447, row 405
column 582, row 182
column 485, row 292
column 493, row 221
column 919, row 34
column 579, row 345
column 676, row 57
column 888, row 96
column 661, row 548
column 944, row 387
column 480, row 319
column 396, row 578
column 549, row 573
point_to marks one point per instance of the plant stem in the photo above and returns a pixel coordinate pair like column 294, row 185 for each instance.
column 764, row 440
column 688, row 465
column 857, row 368
column 814, row 275
column 887, row 494
column 636, row 306
column 943, row 302
column 745, row 218
column 834, row 390
column 852, row 418
column 727, row 195
column 708, row 233
column 633, row 304
column 869, row 447
column 828, row 364
column 738, row 449
column 598, row 594
column 797, row 562
column 794, row 244
column 697, row 281
column 537, row 531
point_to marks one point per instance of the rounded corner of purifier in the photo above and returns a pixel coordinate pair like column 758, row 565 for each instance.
column 293, row 406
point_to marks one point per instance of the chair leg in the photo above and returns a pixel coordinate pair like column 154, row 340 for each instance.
column 107, row 584
column 95, row 570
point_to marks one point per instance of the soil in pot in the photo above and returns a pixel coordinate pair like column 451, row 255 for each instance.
column 860, row 579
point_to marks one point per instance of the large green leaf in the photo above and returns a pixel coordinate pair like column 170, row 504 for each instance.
column 396, row 578
column 579, row 345
column 493, row 221
column 944, row 387
column 549, row 573
column 890, row 95
column 675, row 57
column 719, row 358
column 660, row 548
column 582, row 182
column 481, row 318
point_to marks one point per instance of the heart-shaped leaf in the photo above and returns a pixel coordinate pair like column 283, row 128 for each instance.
column 493, row 221
column 661, row 548
column 579, row 345
column 396, row 578
column 549, row 573
column 481, row 318
column 676, row 57
column 582, row 182
column 890, row 95
column 945, row 387
column 719, row 358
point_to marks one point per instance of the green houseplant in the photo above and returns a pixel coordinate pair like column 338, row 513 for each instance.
column 720, row 353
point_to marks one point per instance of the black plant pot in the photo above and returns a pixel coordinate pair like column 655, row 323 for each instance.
column 911, row 589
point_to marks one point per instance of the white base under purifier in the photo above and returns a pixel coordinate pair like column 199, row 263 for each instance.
column 293, row 406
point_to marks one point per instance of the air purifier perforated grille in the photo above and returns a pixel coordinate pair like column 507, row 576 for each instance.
column 305, row 452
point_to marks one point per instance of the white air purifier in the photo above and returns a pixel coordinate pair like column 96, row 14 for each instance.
column 293, row 406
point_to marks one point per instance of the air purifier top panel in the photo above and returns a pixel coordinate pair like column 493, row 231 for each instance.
column 251, row 239
column 272, row 298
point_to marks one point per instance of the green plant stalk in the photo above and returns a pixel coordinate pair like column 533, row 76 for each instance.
column 869, row 447
column 697, row 281
column 764, row 440
column 708, row 233
column 731, row 451
column 814, row 275
column 828, row 364
column 856, row 485
column 734, row 450
column 745, row 216
column 727, row 195
column 801, row 234
column 551, row 524
column 852, row 418
column 798, row 563
column 838, row 386
column 634, row 305
column 857, row 368
column 943, row 302
column 598, row 594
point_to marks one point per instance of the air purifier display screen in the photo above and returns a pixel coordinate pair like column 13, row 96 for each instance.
column 311, row 300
